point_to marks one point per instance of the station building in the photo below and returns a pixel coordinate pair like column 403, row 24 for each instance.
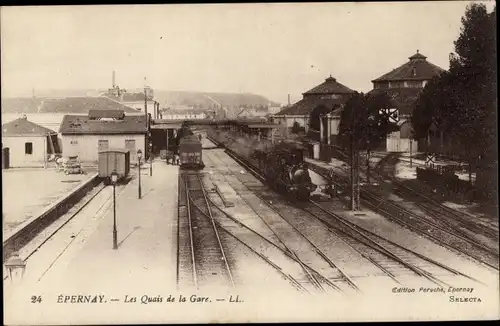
column 85, row 136
column 403, row 85
column 318, row 112
column 27, row 144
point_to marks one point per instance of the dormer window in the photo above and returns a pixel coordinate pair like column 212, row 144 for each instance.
column 413, row 72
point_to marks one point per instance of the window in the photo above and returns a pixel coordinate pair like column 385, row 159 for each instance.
column 28, row 148
column 74, row 142
column 330, row 96
column 102, row 144
column 414, row 83
column 396, row 84
column 382, row 85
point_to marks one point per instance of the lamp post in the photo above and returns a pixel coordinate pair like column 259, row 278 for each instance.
column 150, row 159
column 16, row 267
column 114, row 178
column 139, row 156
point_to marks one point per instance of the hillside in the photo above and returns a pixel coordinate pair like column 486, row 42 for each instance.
column 207, row 100
column 167, row 98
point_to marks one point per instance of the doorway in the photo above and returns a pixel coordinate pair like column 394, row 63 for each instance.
column 5, row 158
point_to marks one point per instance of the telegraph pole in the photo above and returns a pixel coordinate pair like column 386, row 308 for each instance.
column 354, row 175
column 411, row 141
column 145, row 98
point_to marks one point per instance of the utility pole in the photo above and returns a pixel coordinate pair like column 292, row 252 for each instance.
column 145, row 98
column 411, row 141
column 354, row 175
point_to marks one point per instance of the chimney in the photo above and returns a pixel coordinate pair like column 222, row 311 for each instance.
column 288, row 99
column 113, row 79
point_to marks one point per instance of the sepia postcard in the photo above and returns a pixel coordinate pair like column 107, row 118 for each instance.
column 247, row 163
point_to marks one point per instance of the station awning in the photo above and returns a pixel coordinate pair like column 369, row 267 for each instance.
column 165, row 126
column 264, row 126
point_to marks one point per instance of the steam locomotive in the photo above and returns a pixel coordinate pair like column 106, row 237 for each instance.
column 284, row 167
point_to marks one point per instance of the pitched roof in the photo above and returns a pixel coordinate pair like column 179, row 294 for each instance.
column 83, row 125
column 253, row 112
column 112, row 114
column 81, row 105
column 418, row 68
column 330, row 86
column 307, row 104
column 20, row 105
column 403, row 98
column 133, row 97
column 23, row 127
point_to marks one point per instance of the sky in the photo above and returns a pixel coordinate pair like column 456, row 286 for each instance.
column 267, row 49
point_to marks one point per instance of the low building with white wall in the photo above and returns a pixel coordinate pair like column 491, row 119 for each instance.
column 27, row 144
column 85, row 136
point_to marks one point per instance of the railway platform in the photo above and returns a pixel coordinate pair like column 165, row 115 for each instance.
column 83, row 262
column 29, row 191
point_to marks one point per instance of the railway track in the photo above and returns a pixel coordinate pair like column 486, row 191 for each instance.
column 392, row 259
column 309, row 272
column 189, row 268
column 460, row 221
column 423, row 226
column 438, row 229
column 57, row 226
column 201, row 260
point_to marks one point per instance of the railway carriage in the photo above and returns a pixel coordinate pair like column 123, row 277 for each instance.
column 190, row 153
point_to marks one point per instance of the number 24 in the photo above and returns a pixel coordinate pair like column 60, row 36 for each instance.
column 36, row 299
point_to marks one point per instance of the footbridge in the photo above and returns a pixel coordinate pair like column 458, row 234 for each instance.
column 163, row 131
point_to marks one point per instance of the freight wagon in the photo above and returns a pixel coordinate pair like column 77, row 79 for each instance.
column 118, row 160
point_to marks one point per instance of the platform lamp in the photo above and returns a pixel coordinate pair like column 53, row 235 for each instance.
column 139, row 156
column 114, row 179
column 150, row 159
column 16, row 267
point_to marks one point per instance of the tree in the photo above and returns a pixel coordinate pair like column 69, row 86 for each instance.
column 315, row 121
column 475, row 68
column 435, row 106
column 462, row 102
column 363, row 125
